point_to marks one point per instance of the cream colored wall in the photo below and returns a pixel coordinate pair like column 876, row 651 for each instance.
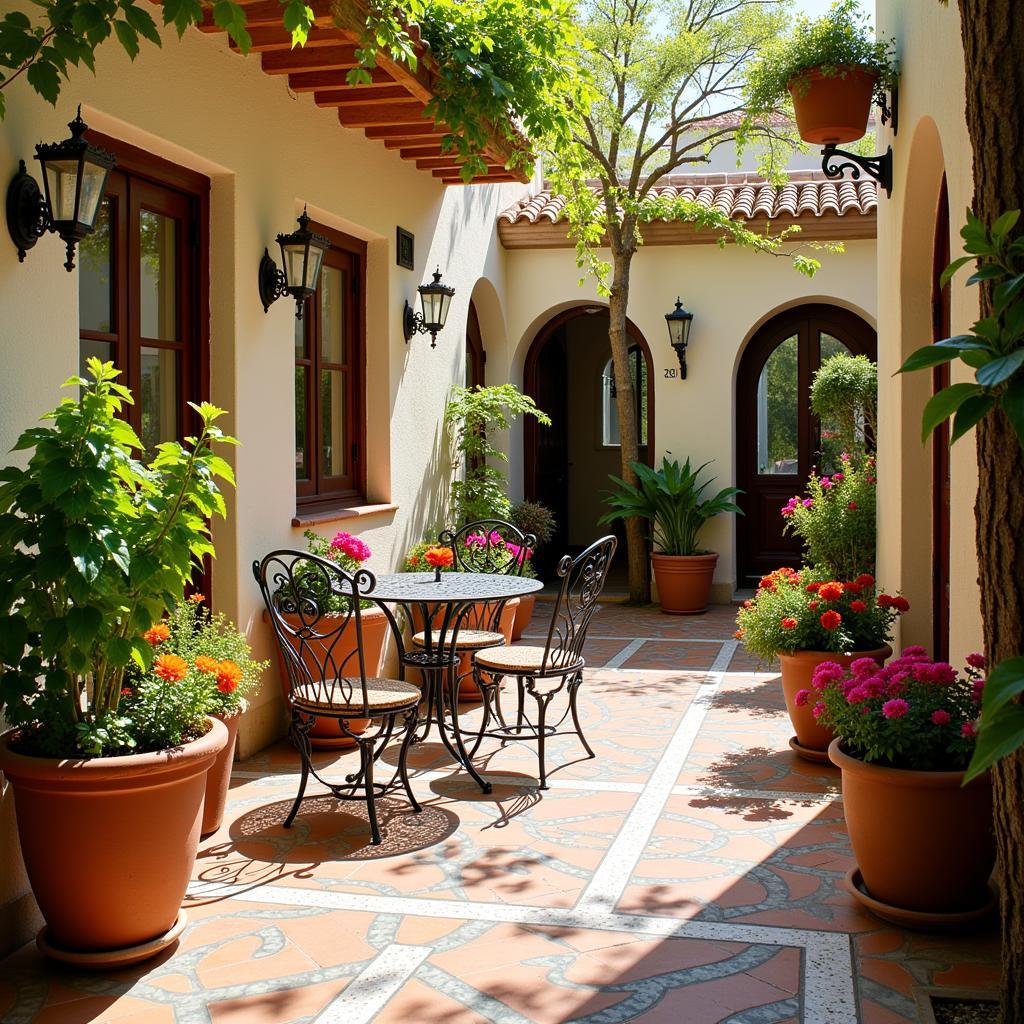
column 730, row 292
column 932, row 138
column 267, row 153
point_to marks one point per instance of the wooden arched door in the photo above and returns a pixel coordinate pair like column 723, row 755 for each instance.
column 476, row 357
column 777, row 436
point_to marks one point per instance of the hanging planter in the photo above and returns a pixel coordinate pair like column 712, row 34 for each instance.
column 833, row 109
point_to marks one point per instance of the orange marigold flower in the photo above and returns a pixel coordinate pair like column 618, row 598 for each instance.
column 170, row 667
column 830, row 591
column 196, row 597
column 738, row 634
column 229, row 675
column 207, row 664
column 157, row 634
column 439, row 557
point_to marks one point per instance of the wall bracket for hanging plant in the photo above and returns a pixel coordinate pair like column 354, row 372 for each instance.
column 834, row 161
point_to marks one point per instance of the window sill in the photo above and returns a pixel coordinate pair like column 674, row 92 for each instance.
column 335, row 513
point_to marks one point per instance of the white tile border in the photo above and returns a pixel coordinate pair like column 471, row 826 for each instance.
column 369, row 991
column 624, row 655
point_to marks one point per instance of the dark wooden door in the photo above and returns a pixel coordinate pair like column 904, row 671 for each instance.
column 940, row 441
column 778, row 438
column 551, row 467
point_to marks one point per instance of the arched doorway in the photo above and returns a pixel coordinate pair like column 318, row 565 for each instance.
column 940, row 439
column 778, row 438
column 566, row 465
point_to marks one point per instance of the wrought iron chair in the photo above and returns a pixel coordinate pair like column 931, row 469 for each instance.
column 314, row 607
column 488, row 554
column 543, row 672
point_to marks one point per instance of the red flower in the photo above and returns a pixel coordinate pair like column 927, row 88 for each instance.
column 852, row 588
column 858, row 607
column 866, row 580
column 813, row 605
column 813, row 588
column 831, row 591
column 830, row 620
column 788, row 623
column 901, row 604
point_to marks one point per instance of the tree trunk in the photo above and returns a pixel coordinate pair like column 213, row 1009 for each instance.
column 993, row 37
column 625, row 403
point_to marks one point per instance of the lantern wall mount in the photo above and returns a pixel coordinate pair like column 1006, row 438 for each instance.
column 679, row 322
column 74, row 181
column 302, row 252
column 834, row 161
column 435, row 300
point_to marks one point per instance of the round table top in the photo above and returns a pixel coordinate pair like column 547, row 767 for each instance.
column 416, row 587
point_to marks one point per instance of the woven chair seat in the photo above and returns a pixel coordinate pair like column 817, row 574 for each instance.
column 382, row 695
column 467, row 640
column 524, row 659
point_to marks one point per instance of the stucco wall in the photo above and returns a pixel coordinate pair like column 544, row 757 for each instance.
column 730, row 292
column 267, row 153
column 932, row 139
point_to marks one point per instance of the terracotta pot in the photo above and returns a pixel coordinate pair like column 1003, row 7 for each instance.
column 684, row 582
column 218, row 778
column 922, row 840
column 326, row 733
column 109, row 842
column 797, row 669
column 479, row 617
column 524, row 615
column 834, row 109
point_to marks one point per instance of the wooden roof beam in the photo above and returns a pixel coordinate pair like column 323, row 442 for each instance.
column 312, row 81
column 366, row 115
column 317, row 58
column 354, row 95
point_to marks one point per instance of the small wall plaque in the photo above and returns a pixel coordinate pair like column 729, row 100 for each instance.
column 405, row 247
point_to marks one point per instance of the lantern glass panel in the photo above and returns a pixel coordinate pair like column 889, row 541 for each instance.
column 442, row 316
column 94, row 182
column 294, row 256
column 62, row 189
column 430, row 301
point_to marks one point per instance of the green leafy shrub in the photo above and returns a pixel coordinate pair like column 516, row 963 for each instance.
column 840, row 39
column 844, row 396
column 835, row 519
column 671, row 500
column 95, row 548
column 811, row 611
column 534, row 518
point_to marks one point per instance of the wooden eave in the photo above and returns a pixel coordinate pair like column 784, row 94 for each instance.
column 830, row 227
column 390, row 109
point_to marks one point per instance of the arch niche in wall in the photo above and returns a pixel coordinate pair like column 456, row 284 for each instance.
column 548, row 379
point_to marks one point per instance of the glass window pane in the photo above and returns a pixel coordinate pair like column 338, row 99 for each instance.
column 332, row 423
column 609, row 411
column 300, row 337
column 95, row 274
column 332, row 315
column 158, row 288
column 832, row 347
column 301, row 406
column 778, row 411
column 158, row 396
column 87, row 348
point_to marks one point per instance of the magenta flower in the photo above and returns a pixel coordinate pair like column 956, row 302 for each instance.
column 818, row 710
column 808, row 502
column 852, row 506
column 802, row 697
column 976, row 660
column 978, row 690
column 940, row 717
column 845, row 456
column 826, row 483
column 968, row 730
column 895, row 708
column 347, row 544
column 838, row 477
column 827, row 672
column 861, row 666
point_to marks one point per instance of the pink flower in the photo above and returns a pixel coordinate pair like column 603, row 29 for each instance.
column 808, row 502
column 862, row 665
column 845, row 456
column 914, row 651
column 968, row 730
column 852, row 506
column 857, row 695
column 355, row 548
column 895, row 708
column 838, row 476
column 977, row 660
column 826, row 483
column 818, row 710
column 827, row 672
column 978, row 690
column 802, row 697
column 940, row 717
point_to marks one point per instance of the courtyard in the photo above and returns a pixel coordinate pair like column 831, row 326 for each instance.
column 692, row 872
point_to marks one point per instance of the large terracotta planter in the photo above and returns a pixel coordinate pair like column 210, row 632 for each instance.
column 109, row 844
column 812, row 740
column 684, row 582
column 326, row 733
column 218, row 778
column 923, row 841
column 524, row 615
column 834, row 109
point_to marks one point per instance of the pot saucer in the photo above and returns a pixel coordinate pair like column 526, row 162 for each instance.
column 808, row 753
column 107, row 958
column 919, row 920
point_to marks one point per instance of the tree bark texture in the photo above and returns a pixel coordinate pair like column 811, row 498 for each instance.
column 625, row 403
column 993, row 38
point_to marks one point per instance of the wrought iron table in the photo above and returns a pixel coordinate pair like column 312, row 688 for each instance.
column 453, row 595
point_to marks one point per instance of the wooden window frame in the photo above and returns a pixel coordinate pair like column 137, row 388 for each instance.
column 314, row 493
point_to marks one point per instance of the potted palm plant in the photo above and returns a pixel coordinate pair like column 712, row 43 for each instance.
column 108, row 776
column 832, row 68
column 672, row 501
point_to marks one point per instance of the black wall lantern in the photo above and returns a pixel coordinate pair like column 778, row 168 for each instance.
column 435, row 298
column 679, row 321
column 302, row 252
column 74, row 180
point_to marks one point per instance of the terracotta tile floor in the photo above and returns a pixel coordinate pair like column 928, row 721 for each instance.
column 691, row 873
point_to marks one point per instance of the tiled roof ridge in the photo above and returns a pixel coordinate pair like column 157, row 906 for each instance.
column 744, row 194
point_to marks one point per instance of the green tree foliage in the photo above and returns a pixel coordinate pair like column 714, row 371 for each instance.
column 844, row 396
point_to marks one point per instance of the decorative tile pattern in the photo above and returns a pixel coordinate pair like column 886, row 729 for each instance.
column 690, row 873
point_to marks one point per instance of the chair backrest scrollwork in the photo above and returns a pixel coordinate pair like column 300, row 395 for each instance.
column 489, row 545
column 314, row 607
column 583, row 579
